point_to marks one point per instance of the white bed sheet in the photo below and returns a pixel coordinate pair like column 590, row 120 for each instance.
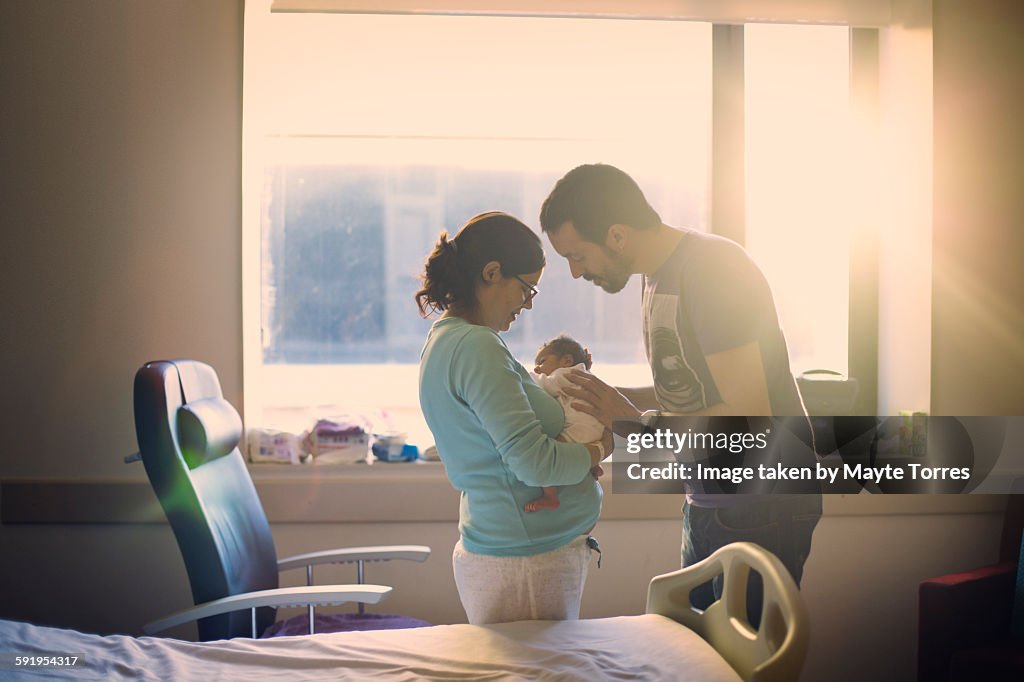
column 648, row 647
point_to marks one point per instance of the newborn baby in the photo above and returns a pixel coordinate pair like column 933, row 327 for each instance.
column 554, row 361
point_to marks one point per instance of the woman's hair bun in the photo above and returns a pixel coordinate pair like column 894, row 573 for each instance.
column 455, row 264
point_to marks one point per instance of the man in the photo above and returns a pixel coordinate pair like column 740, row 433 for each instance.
column 713, row 341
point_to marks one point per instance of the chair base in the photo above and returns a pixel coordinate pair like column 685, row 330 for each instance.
column 342, row 622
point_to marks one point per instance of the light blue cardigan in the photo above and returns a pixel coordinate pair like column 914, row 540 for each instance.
column 494, row 430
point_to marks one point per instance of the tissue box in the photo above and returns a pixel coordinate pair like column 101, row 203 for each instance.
column 268, row 445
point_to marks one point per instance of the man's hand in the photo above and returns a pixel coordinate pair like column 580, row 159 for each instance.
column 598, row 399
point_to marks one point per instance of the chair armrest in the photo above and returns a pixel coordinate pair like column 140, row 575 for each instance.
column 960, row 611
column 353, row 554
column 279, row 597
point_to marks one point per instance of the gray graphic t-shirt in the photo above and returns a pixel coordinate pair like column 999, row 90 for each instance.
column 710, row 297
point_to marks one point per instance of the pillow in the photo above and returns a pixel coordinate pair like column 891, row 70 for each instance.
column 207, row 429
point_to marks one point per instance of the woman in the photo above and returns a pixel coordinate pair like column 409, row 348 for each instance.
column 495, row 431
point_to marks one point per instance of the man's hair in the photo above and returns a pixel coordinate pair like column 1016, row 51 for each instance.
column 594, row 197
column 563, row 344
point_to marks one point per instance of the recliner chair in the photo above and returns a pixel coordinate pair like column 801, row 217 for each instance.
column 971, row 624
column 188, row 437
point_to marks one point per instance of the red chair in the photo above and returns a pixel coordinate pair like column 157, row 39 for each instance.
column 964, row 619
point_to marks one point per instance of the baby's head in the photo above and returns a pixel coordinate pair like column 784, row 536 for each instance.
column 561, row 351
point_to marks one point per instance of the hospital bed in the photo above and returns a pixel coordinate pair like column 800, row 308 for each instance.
column 671, row 641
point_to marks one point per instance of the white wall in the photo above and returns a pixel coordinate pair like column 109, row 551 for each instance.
column 978, row 283
column 121, row 204
column 861, row 586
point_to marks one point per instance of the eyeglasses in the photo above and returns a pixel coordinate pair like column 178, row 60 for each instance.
column 532, row 291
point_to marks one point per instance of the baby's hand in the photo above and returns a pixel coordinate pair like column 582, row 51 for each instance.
column 597, row 471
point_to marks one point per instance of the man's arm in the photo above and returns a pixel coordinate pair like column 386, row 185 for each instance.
column 738, row 373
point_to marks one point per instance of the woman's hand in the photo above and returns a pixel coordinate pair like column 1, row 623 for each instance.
column 598, row 399
column 608, row 441
column 599, row 450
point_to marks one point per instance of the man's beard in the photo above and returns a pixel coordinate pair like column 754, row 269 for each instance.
column 614, row 287
column 616, row 277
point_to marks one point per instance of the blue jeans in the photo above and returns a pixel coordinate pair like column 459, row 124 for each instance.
column 782, row 524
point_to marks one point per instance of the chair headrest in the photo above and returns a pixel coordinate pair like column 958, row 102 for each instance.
column 207, row 429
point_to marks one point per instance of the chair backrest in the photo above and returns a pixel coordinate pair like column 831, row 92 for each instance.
column 188, row 437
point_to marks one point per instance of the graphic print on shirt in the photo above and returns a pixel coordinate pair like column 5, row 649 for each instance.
column 675, row 383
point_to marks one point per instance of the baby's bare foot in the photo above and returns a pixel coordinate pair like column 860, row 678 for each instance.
column 544, row 502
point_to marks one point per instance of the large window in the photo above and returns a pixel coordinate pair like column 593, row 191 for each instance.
column 366, row 135
column 373, row 133
column 800, row 182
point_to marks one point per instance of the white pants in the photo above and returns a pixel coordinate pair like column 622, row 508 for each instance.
column 498, row 589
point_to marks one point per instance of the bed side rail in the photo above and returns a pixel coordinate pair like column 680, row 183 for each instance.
column 776, row 650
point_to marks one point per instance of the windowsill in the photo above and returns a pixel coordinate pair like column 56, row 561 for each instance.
column 387, row 399
column 378, row 471
column 415, row 492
